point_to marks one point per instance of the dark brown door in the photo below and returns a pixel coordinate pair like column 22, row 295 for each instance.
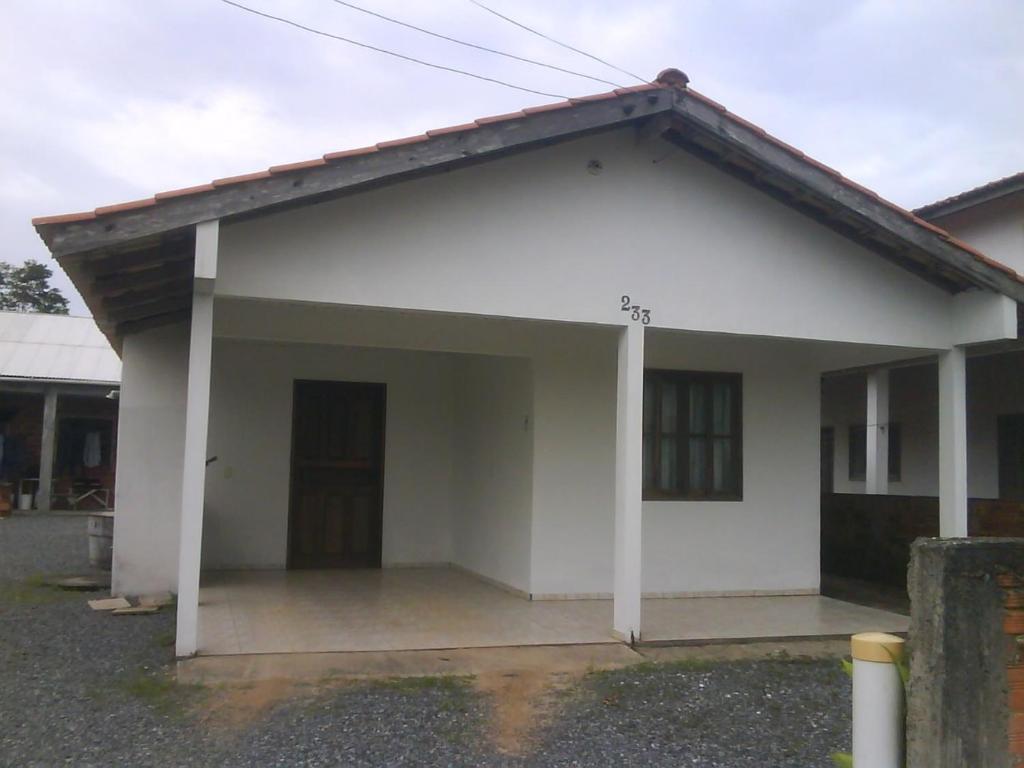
column 828, row 459
column 335, row 519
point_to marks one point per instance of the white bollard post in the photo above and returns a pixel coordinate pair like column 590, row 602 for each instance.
column 878, row 701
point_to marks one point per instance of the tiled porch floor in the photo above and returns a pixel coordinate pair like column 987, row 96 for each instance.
column 430, row 608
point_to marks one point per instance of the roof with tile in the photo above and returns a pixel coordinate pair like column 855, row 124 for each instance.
column 666, row 77
column 276, row 170
column 95, row 243
column 1007, row 185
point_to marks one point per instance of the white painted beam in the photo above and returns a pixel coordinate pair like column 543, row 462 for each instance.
column 980, row 316
column 197, row 414
column 44, row 495
column 877, row 438
column 629, row 484
column 952, row 443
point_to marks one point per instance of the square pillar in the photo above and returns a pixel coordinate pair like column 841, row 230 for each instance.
column 877, row 433
column 629, row 483
column 44, row 494
column 197, row 414
column 953, row 443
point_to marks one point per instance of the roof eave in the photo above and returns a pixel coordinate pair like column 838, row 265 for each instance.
column 972, row 199
column 341, row 173
column 743, row 138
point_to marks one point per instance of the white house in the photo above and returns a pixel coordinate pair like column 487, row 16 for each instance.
column 902, row 401
column 575, row 350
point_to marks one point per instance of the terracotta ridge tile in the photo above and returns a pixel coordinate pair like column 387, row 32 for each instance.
column 500, row 118
column 547, row 107
column 131, row 205
column 64, row 218
column 710, row 102
column 403, row 141
column 461, row 128
column 298, row 166
column 340, row 155
column 184, row 191
column 596, row 97
column 227, row 180
column 638, row 88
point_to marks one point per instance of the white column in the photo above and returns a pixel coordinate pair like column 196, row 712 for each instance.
column 49, row 444
column 952, row 443
column 877, row 472
column 197, row 412
column 629, row 483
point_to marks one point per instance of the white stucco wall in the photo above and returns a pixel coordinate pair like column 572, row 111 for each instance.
column 151, row 450
column 250, row 431
column 768, row 541
column 537, row 236
column 993, row 388
column 493, row 468
column 574, row 466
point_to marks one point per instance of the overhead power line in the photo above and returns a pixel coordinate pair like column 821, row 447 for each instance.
column 385, row 51
column 478, row 4
column 484, row 48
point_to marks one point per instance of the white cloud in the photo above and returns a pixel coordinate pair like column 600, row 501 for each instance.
column 165, row 143
column 19, row 186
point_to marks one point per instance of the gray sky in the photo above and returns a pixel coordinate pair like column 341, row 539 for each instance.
column 110, row 100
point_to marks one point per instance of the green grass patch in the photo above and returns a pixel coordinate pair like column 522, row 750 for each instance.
column 161, row 691
column 165, row 639
column 450, row 684
column 34, row 590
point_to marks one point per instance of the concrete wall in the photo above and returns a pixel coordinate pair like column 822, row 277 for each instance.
column 538, row 236
column 964, row 706
column 151, row 450
column 993, row 388
column 493, row 468
column 250, row 431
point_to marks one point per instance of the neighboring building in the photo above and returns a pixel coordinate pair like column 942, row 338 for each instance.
column 575, row 350
column 58, row 420
column 869, row 538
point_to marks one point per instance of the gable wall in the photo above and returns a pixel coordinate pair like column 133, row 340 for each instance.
column 538, row 236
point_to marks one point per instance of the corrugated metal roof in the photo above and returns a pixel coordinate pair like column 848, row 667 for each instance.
column 55, row 347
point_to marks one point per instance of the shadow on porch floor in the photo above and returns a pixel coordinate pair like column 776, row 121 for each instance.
column 245, row 612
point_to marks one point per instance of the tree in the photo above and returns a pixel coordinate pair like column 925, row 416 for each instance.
column 26, row 288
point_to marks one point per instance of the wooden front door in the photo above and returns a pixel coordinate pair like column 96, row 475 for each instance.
column 335, row 520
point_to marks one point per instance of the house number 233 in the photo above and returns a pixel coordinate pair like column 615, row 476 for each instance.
column 637, row 313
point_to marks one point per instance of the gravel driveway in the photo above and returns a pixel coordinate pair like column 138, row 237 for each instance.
column 85, row 688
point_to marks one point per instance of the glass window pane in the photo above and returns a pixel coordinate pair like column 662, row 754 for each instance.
column 723, row 465
column 669, row 418
column 648, row 461
column 698, row 464
column 648, row 404
column 698, row 420
column 722, row 409
column 668, row 479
